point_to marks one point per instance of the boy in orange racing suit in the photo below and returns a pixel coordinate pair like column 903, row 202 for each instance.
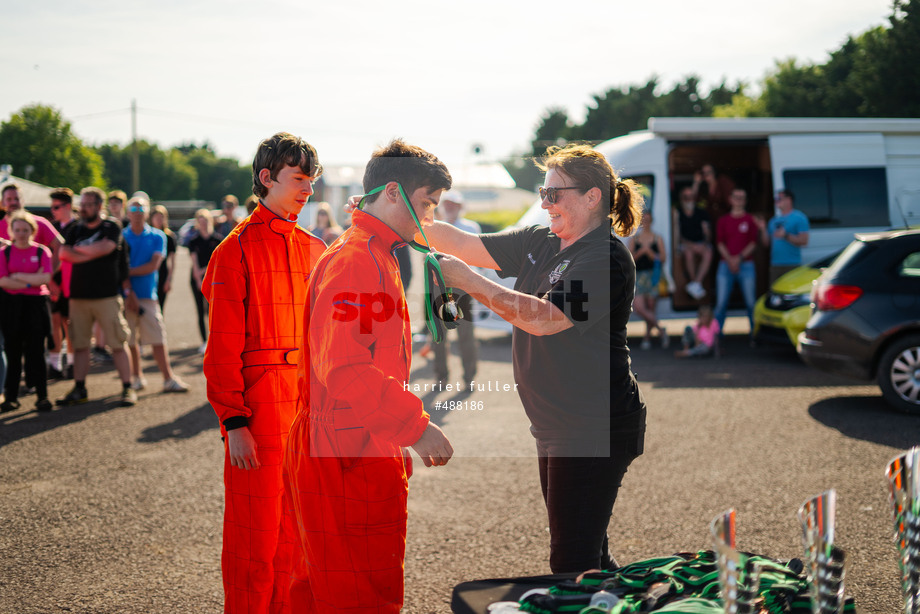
column 344, row 465
column 256, row 286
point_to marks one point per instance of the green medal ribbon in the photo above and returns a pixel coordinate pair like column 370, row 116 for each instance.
column 441, row 310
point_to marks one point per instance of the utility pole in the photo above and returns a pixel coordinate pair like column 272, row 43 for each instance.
column 135, row 160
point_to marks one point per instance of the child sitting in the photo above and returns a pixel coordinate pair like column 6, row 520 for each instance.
column 702, row 338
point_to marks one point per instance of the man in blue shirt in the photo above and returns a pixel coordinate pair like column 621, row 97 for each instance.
column 147, row 250
column 788, row 233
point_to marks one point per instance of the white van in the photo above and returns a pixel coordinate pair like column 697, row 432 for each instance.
column 848, row 176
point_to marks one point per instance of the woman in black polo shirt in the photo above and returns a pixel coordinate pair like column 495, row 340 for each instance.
column 570, row 304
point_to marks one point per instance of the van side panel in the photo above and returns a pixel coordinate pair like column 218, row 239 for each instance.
column 831, row 152
column 903, row 155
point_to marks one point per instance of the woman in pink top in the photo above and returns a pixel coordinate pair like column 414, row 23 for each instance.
column 25, row 271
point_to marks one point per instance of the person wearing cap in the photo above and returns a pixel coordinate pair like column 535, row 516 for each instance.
column 147, row 250
column 228, row 222
column 115, row 203
column 786, row 233
column 451, row 205
column 256, row 284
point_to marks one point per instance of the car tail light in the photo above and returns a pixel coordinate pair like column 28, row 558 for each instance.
column 833, row 297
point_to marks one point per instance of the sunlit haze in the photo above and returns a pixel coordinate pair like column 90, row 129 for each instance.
column 348, row 76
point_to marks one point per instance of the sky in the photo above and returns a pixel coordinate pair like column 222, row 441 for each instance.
column 348, row 76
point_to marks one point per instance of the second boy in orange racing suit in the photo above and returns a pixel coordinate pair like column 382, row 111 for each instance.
column 344, row 463
column 256, row 286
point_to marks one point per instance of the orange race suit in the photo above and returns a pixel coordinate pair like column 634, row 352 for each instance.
column 256, row 285
column 345, row 467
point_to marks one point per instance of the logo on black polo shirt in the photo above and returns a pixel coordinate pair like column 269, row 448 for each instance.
column 556, row 273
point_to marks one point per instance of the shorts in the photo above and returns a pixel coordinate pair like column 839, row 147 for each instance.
column 146, row 327
column 61, row 306
column 107, row 312
column 646, row 283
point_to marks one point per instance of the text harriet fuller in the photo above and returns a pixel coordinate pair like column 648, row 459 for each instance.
column 473, row 386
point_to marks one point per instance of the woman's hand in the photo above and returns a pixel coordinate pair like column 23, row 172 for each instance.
column 455, row 271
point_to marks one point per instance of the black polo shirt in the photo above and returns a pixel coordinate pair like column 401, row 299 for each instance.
column 101, row 277
column 576, row 382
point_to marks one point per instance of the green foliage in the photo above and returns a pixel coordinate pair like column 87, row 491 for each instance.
column 217, row 177
column 741, row 105
column 873, row 74
column 38, row 136
column 165, row 175
column 495, row 220
column 621, row 110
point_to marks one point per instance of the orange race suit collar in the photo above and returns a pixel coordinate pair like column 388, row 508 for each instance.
column 375, row 226
column 274, row 221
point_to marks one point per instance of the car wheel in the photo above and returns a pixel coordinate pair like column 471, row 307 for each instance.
column 899, row 374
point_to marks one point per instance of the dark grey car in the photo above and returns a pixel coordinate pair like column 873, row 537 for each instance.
column 865, row 322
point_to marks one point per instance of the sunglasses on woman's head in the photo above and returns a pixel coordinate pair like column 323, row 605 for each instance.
column 550, row 193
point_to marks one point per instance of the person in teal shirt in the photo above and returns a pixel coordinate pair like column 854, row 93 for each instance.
column 786, row 233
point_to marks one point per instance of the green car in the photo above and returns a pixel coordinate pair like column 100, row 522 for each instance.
column 782, row 313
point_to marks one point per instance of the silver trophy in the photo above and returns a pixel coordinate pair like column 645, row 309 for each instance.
column 738, row 578
column 824, row 560
column 903, row 473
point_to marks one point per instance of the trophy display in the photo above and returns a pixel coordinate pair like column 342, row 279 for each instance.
column 824, row 560
column 738, row 579
column 903, row 473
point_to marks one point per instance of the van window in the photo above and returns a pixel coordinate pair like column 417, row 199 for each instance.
column 840, row 198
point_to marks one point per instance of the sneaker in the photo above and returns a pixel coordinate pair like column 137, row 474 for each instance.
column 138, row 383
column 175, row 385
column 43, row 405
column 665, row 339
column 8, row 406
column 696, row 290
column 74, row 397
column 128, row 397
column 55, row 373
column 646, row 344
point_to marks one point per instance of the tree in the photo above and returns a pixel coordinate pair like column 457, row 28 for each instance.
column 554, row 128
column 217, row 176
column 620, row 110
column 893, row 64
column 38, row 136
column 165, row 175
column 873, row 74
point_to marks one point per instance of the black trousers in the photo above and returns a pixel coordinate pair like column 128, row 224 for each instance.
column 580, row 482
column 201, row 304
column 26, row 322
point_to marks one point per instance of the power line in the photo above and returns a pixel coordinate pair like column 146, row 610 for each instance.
column 101, row 114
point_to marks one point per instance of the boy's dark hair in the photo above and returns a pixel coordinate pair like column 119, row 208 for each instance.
column 65, row 195
column 9, row 186
column 788, row 193
column 411, row 166
column 283, row 149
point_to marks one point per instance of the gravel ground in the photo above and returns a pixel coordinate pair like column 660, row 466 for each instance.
column 106, row 509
